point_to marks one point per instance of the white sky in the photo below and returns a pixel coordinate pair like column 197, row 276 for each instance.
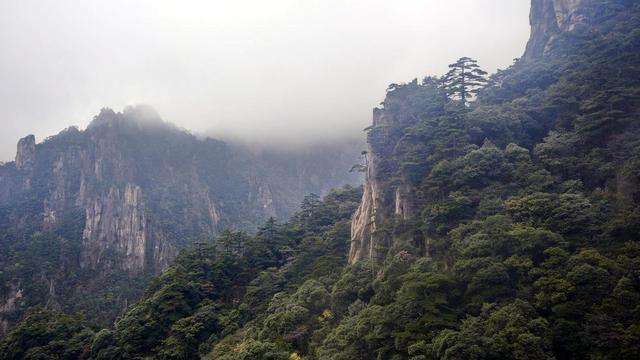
column 278, row 70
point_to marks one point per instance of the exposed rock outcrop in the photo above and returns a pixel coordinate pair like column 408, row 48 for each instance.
column 363, row 225
column 8, row 306
column 127, row 193
column 105, row 176
column 116, row 221
column 143, row 188
column 383, row 199
column 26, row 154
column 550, row 18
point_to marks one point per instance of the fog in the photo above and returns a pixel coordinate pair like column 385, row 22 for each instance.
column 269, row 71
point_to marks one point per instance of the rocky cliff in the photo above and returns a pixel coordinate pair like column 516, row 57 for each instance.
column 145, row 188
column 94, row 174
column 388, row 194
column 126, row 194
column 551, row 18
column 25, row 156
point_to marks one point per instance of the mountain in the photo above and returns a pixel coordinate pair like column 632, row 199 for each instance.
column 114, row 204
column 402, row 151
column 505, row 227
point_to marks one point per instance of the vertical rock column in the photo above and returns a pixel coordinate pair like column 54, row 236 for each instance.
column 26, row 154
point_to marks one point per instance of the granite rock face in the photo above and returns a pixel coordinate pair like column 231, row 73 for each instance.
column 131, row 190
column 25, row 156
column 364, row 221
column 116, row 220
column 144, row 188
column 383, row 199
column 550, row 18
column 100, row 174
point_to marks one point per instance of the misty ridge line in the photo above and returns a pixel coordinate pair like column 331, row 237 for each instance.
column 148, row 119
column 282, row 72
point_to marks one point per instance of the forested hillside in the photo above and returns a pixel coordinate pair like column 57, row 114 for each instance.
column 499, row 220
column 211, row 291
column 87, row 217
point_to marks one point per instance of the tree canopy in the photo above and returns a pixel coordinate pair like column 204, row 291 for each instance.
column 464, row 79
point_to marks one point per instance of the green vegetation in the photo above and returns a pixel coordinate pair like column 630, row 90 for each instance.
column 47, row 266
column 464, row 80
column 46, row 334
column 524, row 243
column 211, row 292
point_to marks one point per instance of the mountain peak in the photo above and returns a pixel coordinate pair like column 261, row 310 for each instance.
column 142, row 113
column 142, row 116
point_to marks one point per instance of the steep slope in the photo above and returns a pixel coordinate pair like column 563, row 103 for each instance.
column 559, row 90
column 553, row 20
column 506, row 229
column 387, row 196
column 210, row 291
column 115, row 202
column 503, row 230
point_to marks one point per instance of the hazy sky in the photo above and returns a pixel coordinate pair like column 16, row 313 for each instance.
column 267, row 69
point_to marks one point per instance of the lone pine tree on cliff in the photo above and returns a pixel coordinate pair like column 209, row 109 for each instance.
column 464, row 79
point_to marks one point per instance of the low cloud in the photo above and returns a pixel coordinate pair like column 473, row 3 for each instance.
column 268, row 72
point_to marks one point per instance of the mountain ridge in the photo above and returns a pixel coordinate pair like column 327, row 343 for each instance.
column 503, row 226
column 135, row 189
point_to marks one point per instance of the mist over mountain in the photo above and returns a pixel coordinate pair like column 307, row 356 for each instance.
column 498, row 216
column 123, row 196
column 283, row 72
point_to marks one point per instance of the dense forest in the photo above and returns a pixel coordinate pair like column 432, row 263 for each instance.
column 515, row 234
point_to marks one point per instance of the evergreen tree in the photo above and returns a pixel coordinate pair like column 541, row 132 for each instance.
column 464, row 79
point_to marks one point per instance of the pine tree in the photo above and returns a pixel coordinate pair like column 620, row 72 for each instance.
column 464, row 79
